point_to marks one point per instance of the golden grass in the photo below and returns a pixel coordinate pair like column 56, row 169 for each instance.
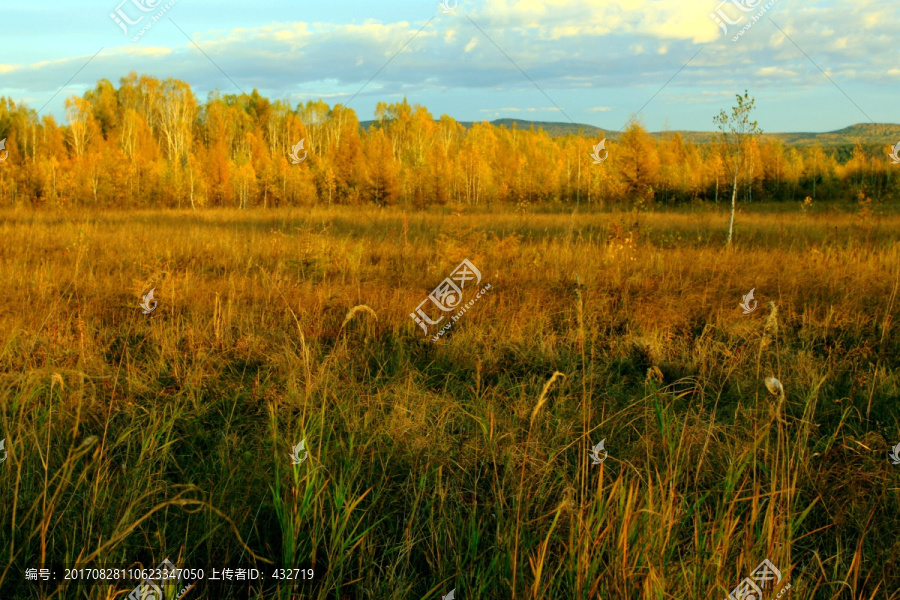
column 461, row 463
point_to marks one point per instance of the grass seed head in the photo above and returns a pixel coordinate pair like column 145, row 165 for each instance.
column 654, row 375
column 775, row 388
column 543, row 399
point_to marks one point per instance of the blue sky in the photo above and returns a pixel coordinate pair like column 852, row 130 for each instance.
column 598, row 61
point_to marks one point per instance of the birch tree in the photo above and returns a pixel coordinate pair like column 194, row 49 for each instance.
column 736, row 131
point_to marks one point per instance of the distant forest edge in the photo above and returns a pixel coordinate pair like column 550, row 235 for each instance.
column 151, row 143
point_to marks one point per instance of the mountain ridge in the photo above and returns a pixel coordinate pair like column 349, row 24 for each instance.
column 865, row 133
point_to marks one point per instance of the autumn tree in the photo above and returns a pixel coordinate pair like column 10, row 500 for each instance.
column 815, row 166
column 81, row 124
column 382, row 171
column 150, row 142
column 637, row 162
column 348, row 160
column 736, row 131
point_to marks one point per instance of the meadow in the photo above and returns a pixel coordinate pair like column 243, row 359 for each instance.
column 464, row 463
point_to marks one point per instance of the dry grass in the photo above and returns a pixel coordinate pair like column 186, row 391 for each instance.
column 462, row 463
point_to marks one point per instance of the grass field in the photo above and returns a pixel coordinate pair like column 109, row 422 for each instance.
column 461, row 463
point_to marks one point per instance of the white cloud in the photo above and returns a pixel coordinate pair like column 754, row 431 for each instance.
column 569, row 48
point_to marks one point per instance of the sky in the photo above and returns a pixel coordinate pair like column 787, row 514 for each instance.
column 811, row 66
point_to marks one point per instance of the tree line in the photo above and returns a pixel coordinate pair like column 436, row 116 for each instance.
column 151, row 143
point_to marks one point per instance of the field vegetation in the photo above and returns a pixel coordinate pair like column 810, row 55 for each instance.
column 461, row 463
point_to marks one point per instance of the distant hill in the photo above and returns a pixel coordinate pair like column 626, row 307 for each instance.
column 553, row 128
column 865, row 133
